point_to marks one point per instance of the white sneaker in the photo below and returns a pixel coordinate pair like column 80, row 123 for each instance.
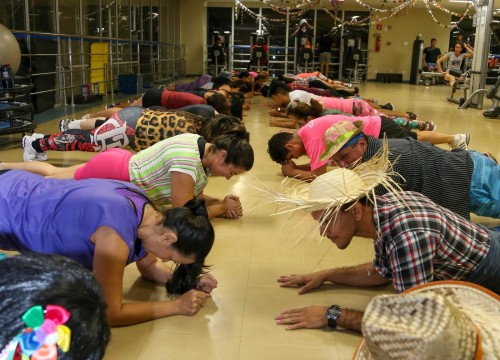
column 86, row 116
column 43, row 155
column 460, row 141
column 30, row 154
column 63, row 124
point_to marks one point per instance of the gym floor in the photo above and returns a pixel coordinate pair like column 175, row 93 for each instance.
column 249, row 254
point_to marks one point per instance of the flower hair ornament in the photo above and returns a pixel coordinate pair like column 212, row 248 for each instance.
column 45, row 330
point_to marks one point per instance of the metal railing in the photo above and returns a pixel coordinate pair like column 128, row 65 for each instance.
column 156, row 61
column 284, row 59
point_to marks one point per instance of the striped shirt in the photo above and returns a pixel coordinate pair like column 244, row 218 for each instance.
column 151, row 169
column 442, row 176
column 419, row 242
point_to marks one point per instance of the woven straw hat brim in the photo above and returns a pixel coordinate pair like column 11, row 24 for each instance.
column 332, row 149
column 335, row 188
column 338, row 187
column 480, row 305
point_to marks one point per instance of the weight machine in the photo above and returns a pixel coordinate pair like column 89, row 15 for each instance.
column 494, row 93
column 259, row 56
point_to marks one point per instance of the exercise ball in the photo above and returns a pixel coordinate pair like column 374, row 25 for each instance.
column 10, row 52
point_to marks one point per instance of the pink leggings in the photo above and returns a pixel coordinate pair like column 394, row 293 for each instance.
column 110, row 164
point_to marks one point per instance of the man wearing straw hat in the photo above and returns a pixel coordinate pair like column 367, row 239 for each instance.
column 462, row 181
column 415, row 241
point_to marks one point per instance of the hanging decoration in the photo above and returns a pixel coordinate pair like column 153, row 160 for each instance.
column 453, row 24
column 449, row 12
column 335, row 4
column 297, row 8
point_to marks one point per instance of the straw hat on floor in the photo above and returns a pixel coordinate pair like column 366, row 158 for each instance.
column 439, row 320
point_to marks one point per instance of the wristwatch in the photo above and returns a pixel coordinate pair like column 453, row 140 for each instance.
column 332, row 314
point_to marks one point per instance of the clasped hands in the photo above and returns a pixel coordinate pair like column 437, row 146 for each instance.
column 192, row 301
column 232, row 206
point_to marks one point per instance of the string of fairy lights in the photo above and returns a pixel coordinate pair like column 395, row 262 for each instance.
column 295, row 9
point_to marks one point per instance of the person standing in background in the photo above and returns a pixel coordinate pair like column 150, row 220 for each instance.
column 324, row 44
column 430, row 56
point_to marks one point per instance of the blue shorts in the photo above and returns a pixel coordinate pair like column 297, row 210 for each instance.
column 485, row 186
column 487, row 273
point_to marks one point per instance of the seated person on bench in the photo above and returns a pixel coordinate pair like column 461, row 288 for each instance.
column 455, row 60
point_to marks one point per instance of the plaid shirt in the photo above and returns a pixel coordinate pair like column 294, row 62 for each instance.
column 419, row 242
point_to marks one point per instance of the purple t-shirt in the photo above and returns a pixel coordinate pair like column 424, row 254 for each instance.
column 56, row 216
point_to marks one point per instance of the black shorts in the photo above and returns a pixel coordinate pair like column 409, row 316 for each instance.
column 393, row 131
column 152, row 97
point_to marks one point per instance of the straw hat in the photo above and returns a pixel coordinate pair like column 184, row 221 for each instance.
column 338, row 135
column 439, row 320
column 336, row 188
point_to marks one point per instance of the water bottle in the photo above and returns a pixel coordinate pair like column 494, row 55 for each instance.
column 84, row 91
column 7, row 77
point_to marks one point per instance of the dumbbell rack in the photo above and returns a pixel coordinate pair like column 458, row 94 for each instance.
column 16, row 110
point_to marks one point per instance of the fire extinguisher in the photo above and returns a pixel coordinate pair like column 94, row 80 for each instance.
column 378, row 43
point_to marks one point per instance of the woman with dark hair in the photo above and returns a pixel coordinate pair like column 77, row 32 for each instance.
column 31, row 283
column 381, row 126
column 222, row 125
column 134, row 126
column 106, row 225
column 171, row 171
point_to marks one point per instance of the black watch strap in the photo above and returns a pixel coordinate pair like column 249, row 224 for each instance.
column 332, row 314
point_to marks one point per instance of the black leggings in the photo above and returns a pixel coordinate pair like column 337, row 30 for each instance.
column 152, row 97
column 393, row 130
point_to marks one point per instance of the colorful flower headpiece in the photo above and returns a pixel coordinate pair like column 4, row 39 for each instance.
column 44, row 331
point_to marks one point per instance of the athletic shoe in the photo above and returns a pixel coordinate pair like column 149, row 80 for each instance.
column 460, row 141
column 63, row 124
column 488, row 155
column 86, row 116
column 388, row 106
column 30, row 154
column 430, row 126
column 43, row 155
column 411, row 116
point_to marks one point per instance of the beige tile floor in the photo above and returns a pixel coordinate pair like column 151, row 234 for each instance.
column 250, row 253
